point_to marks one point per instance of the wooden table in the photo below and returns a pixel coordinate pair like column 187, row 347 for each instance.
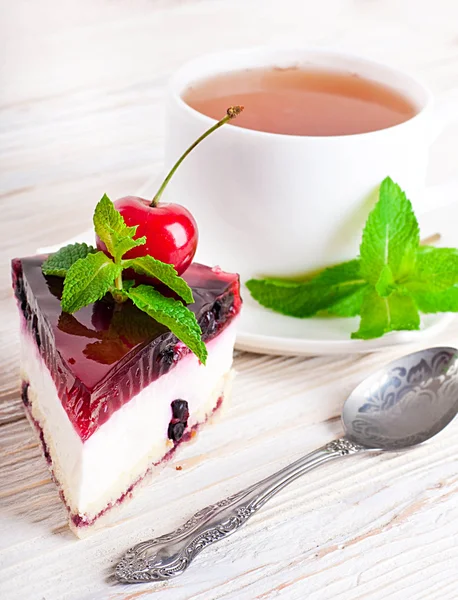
column 81, row 114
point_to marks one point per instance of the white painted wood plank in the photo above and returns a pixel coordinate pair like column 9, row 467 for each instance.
column 81, row 114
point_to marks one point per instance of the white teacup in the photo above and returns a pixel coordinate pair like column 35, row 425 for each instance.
column 272, row 204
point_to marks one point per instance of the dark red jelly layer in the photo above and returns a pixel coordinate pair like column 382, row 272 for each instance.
column 105, row 353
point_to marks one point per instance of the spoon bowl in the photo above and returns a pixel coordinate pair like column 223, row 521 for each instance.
column 406, row 403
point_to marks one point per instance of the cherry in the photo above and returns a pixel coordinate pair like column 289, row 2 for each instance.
column 170, row 229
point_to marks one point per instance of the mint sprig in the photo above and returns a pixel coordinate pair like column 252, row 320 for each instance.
column 173, row 314
column 388, row 285
column 380, row 315
column 435, row 271
column 306, row 299
column 391, row 235
column 88, row 280
column 59, row 263
column 110, row 226
column 91, row 274
column 437, row 302
column 165, row 273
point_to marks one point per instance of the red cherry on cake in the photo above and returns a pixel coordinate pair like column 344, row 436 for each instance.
column 170, row 229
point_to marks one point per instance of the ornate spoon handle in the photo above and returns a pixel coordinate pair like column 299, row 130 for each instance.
column 171, row 554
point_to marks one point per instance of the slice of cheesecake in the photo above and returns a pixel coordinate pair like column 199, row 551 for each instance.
column 111, row 392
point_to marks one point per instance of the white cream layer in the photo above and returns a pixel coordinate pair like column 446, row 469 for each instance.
column 97, row 472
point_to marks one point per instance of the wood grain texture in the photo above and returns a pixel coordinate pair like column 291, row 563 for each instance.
column 81, row 113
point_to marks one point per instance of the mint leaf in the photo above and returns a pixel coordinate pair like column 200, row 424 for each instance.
column 173, row 314
column 343, row 273
column 88, row 280
column 390, row 236
column 127, row 284
column 121, row 245
column 305, row 299
column 59, row 263
column 350, row 306
column 288, row 298
column 109, row 224
column 385, row 284
column 165, row 273
column 435, row 302
column 382, row 315
column 436, row 270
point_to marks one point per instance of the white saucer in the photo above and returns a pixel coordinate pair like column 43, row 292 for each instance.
column 263, row 331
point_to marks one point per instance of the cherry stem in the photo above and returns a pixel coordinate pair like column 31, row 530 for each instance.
column 232, row 112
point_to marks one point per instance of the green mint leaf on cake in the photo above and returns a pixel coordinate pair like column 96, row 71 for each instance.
column 120, row 294
column 112, row 230
column 382, row 315
column 89, row 275
column 121, row 245
column 163, row 272
column 173, row 314
column 391, row 235
column 88, row 280
column 110, row 226
column 305, row 299
column 59, row 263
